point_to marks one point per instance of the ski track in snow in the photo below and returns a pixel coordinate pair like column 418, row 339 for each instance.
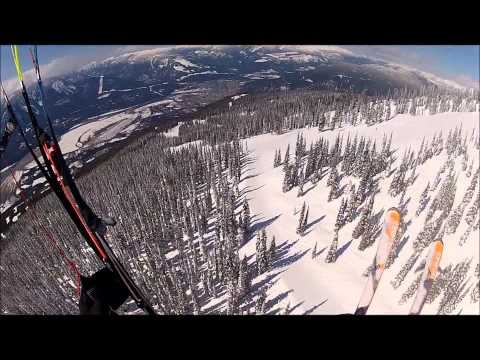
column 314, row 287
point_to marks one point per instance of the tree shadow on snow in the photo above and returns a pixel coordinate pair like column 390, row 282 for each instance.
column 401, row 245
column 271, row 279
column 282, row 251
column 309, row 189
column 295, row 307
column 249, row 177
column 291, row 259
column 321, row 251
column 406, row 225
column 269, row 304
column 313, row 308
column 258, row 226
column 391, row 172
column 309, row 225
column 306, row 233
column 215, row 309
column 245, row 191
column 343, row 248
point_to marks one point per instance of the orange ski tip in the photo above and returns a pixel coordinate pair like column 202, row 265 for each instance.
column 394, row 215
column 438, row 246
column 437, row 255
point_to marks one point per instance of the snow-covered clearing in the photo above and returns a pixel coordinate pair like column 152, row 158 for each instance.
column 312, row 286
column 173, row 132
column 236, row 97
column 70, row 141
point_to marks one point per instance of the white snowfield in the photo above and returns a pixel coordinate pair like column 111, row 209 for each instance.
column 74, row 139
column 312, row 286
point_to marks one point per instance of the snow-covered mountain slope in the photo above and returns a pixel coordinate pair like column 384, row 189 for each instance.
column 142, row 77
column 313, row 286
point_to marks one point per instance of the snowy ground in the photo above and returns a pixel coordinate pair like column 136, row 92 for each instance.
column 312, row 286
column 76, row 138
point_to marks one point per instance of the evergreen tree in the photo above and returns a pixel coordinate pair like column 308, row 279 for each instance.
column 473, row 211
column 351, row 206
column 272, row 253
column 456, row 215
column 301, row 218
column 206, row 288
column 405, row 270
column 259, row 254
column 232, row 297
column 287, row 180
column 246, row 217
column 411, row 179
column 260, row 303
column 364, row 220
column 286, row 159
column 333, row 176
column 334, row 185
column 301, row 182
column 362, row 190
column 244, row 280
column 265, row 254
column 369, row 234
column 340, row 221
column 424, row 199
column 332, row 251
column 275, row 159
column 314, row 251
column 305, row 221
column 446, row 194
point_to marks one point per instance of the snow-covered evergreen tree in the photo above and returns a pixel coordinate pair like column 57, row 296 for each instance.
column 301, row 181
column 473, row 210
column 287, row 179
column 341, row 215
column 364, row 220
column 455, row 288
column 260, row 303
column 301, row 219
column 475, row 294
column 334, row 184
column 351, row 209
column 424, row 199
column 286, row 159
column 369, row 234
column 244, row 280
column 272, row 253
column 305, row 221
column 332, row 251
column 397, row 281
column 314, row 251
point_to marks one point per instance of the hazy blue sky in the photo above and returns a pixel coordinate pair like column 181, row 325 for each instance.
column 455, row 62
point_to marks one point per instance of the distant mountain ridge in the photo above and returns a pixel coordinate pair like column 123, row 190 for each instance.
column 208, row 73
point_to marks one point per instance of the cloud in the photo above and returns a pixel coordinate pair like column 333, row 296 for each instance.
column 132, row 48
column 56, row 67
column 390, row 53
column 407, row 55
